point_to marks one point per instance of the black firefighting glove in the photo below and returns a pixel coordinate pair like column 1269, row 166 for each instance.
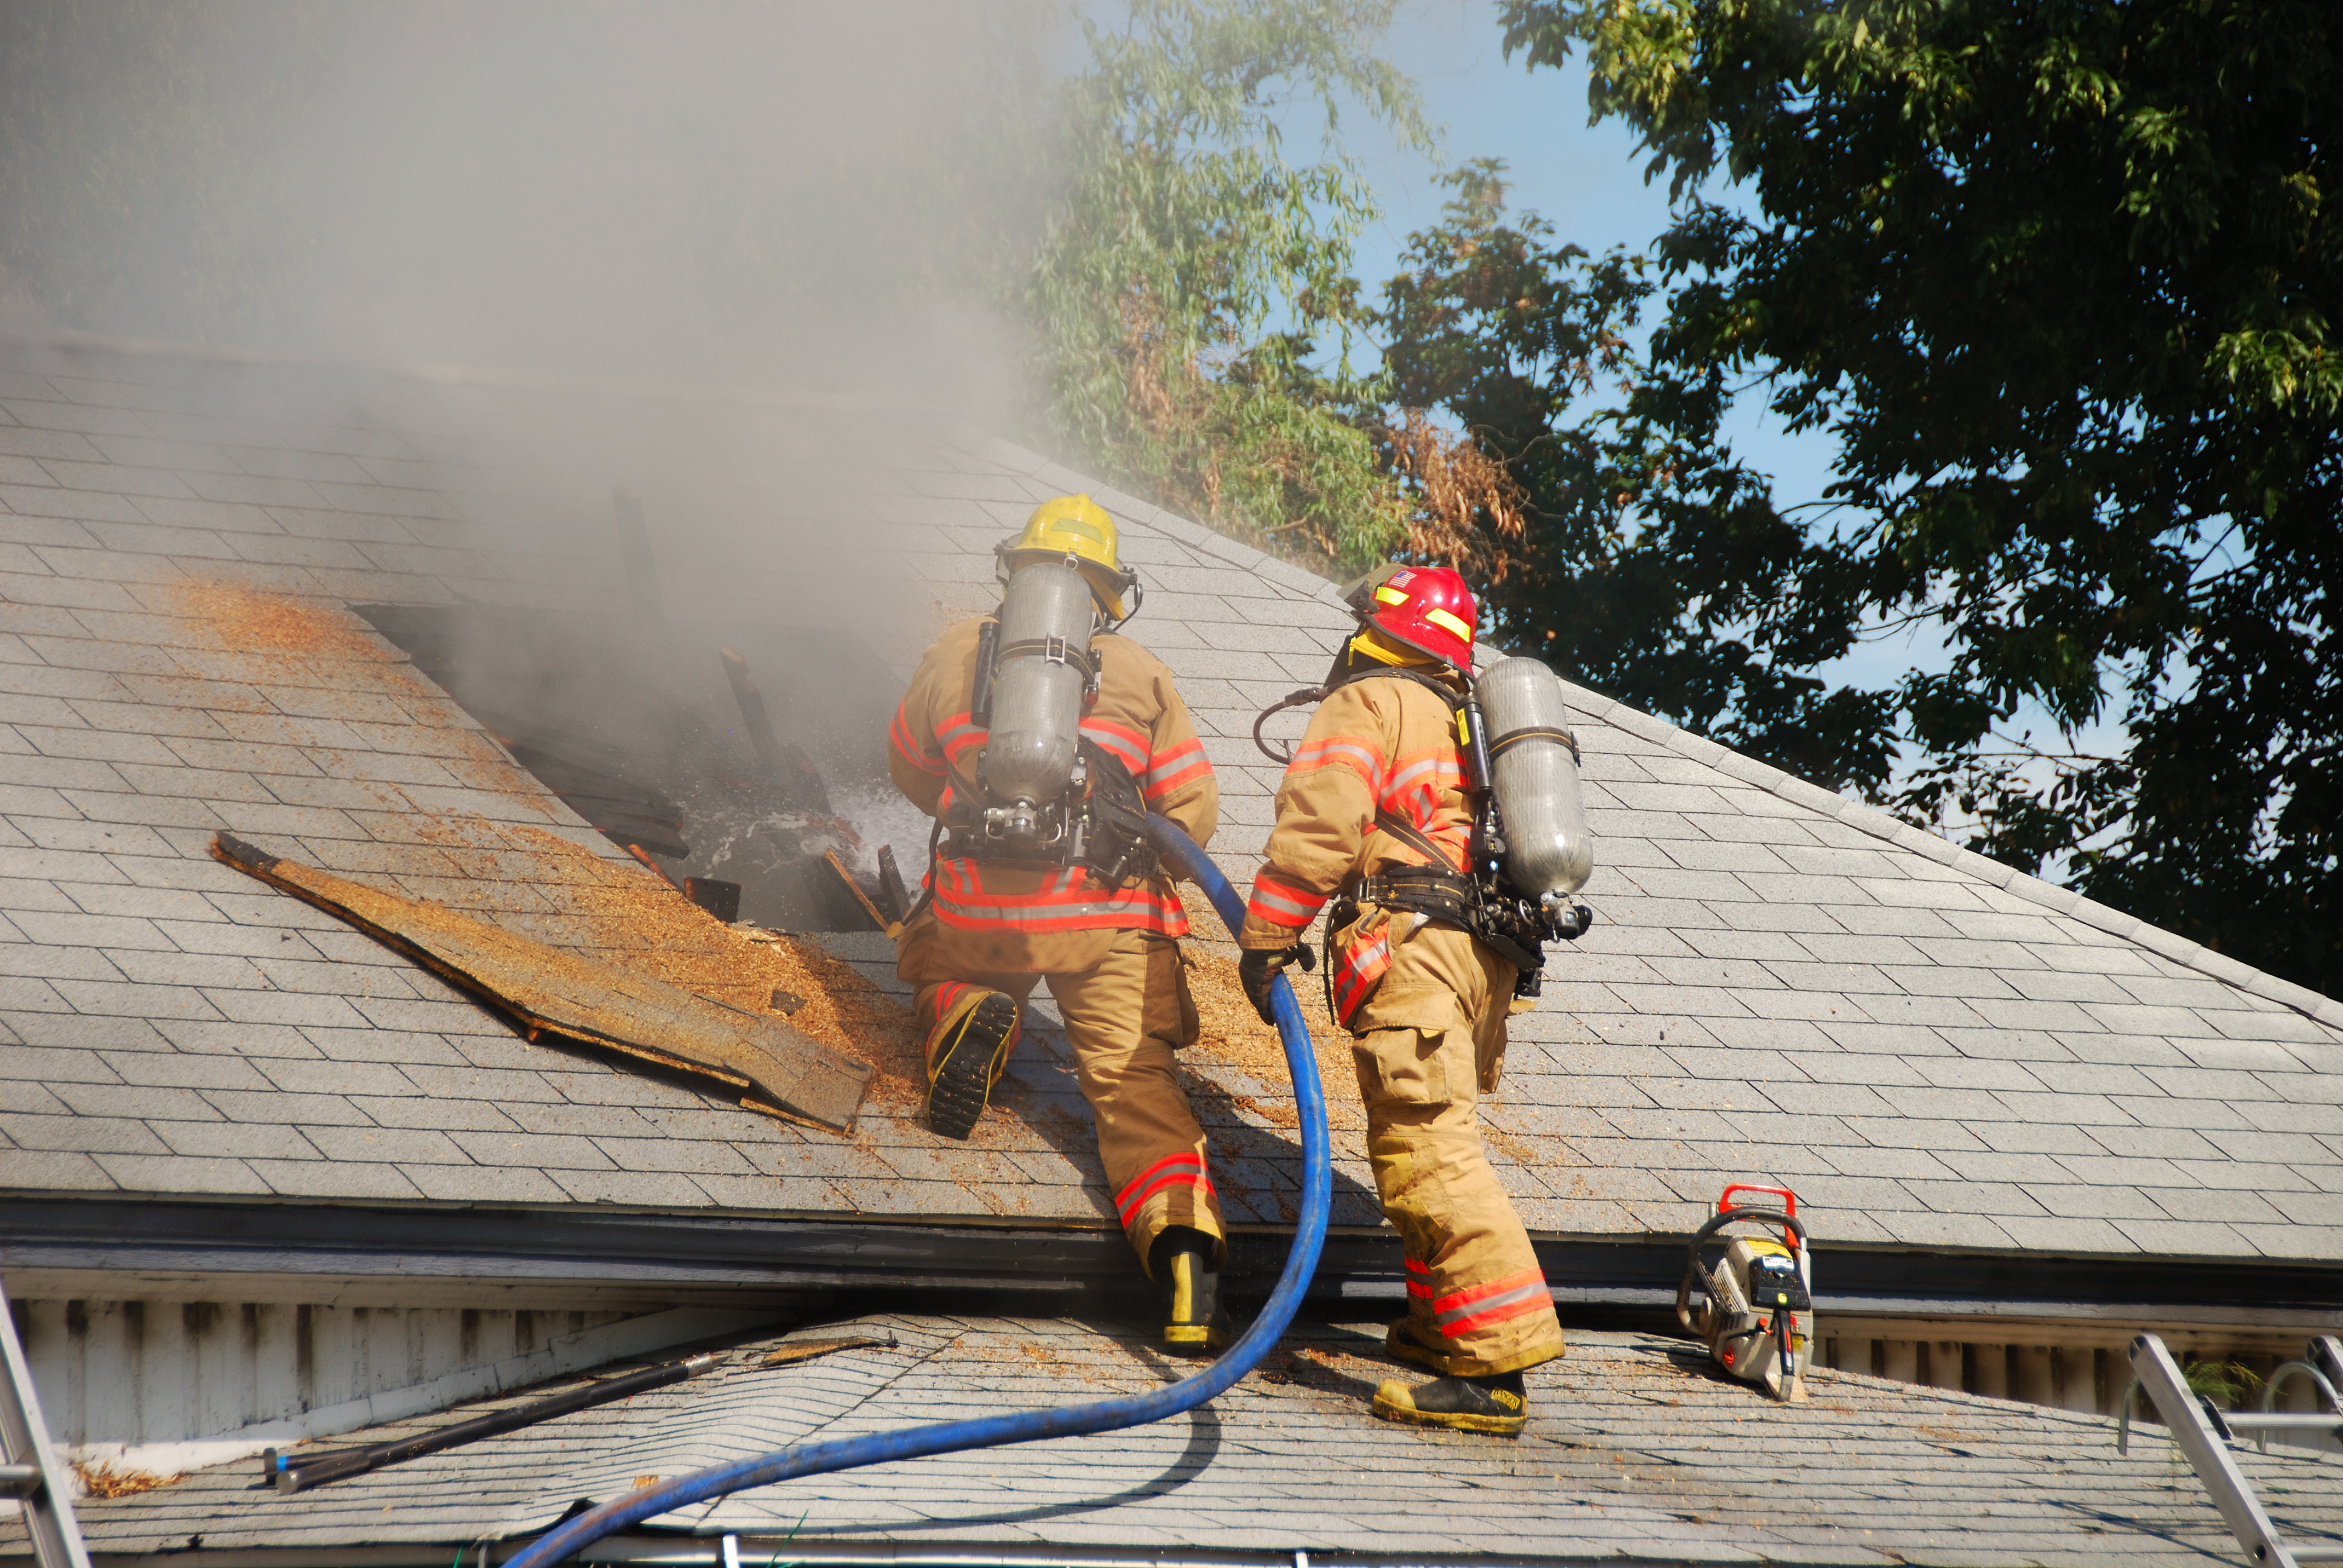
column 1259, row 966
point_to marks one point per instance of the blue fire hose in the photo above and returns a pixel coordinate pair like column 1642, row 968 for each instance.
column 1025, row 1426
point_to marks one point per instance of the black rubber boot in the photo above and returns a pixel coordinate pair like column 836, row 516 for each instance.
column 1497, row 1406
column 1194, row 1323
column 960, row 1077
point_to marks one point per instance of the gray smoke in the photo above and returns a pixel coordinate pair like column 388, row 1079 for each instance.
column 816, row 196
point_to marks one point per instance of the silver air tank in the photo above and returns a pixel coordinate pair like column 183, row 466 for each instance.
column 1040, row 669
column 1533, row 773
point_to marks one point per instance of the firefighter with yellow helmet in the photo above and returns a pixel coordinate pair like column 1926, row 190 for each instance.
column 1039, row 737
column 1438, row 906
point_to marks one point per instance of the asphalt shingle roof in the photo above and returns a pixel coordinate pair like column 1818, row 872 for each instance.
column 1933, row 1050
column 1635, row 1450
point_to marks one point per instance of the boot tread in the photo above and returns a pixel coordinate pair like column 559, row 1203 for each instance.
column 962, row 1081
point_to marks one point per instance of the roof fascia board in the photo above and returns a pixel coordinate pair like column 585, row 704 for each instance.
column 646, row 1552
column 54, row 1245
column 697, row 1551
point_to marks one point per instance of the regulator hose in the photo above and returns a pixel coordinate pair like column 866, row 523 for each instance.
column 1070, row 1421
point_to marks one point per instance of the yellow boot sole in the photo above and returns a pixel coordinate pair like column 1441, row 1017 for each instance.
column 1394, row 1402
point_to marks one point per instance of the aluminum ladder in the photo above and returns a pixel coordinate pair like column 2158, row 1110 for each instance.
column 2204, row 1434
column 29, row 1471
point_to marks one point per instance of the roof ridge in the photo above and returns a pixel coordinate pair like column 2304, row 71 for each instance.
column 1864, row 819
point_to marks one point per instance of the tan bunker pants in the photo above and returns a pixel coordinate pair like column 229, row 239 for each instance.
column 1125, row 1016
column 1429, row 1042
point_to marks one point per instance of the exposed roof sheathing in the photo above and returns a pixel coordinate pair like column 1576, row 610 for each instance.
column 1933, row 1050
column 1633, row 1452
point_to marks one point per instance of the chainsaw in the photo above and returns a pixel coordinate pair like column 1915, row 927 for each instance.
column 1757, row 1309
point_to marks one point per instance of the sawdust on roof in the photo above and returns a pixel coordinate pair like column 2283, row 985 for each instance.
column 1233, row 1035
column 245, row 620
column 627, row 910
column 248, row 618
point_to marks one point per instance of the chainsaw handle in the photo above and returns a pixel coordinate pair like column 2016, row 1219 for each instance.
column 1693, row 1268
column 1789, row 1199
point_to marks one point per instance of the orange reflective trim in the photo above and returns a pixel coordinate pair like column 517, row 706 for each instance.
column 1477, row 1306
column 1362, row 966
column 906, row 742
column 1175, row 1179
column 1426, row 774
column 1195, row 772
column 1184, row 1166
column 1064, row 904
column 1182, row 765
column 959, row 734
column 1281, row 904
column 1483, row 1292
column 1514, row 1304
column 1340, row 751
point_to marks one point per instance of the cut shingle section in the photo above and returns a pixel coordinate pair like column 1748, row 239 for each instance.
column 1782, row 984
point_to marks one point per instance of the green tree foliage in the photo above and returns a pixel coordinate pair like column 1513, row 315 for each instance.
column 2060, row 277
column 1647, row 547
column 1193, row 272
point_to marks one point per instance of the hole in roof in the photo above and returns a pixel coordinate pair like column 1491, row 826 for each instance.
column 640, row 727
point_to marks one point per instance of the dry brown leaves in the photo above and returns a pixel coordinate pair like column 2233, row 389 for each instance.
column 1457, row 485
column 98, row 1480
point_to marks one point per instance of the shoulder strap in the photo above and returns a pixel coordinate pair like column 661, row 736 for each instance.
column 1433, row 684
column 1407, row 833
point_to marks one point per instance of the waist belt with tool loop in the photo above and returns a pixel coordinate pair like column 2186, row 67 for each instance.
column 1436, row 892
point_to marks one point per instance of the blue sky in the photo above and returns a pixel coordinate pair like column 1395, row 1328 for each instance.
column 1589, row 181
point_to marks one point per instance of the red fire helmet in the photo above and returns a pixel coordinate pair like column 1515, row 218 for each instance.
column 1427, row 607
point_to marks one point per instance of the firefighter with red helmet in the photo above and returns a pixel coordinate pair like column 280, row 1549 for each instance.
column 1040, row 739
column 1374, row 813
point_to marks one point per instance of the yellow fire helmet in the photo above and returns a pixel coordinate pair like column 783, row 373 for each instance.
column 1075, row 528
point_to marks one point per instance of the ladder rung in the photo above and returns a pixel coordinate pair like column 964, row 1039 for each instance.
column 19, row 1480
column 2249, row 1424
